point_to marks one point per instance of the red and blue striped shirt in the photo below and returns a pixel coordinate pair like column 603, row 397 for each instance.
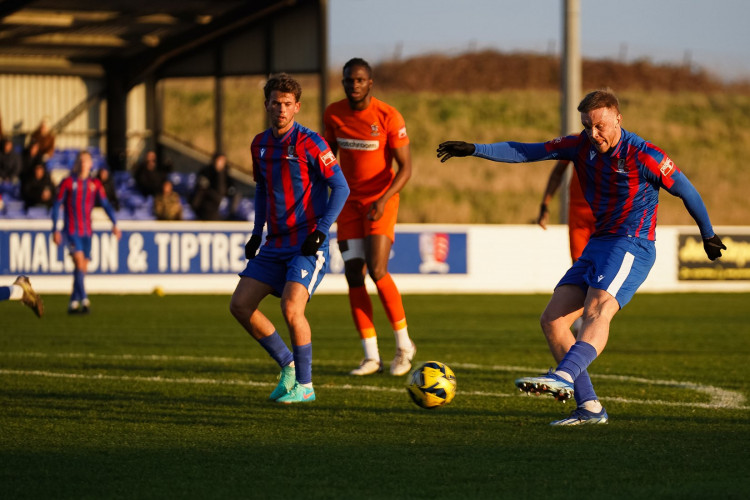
column 77, row 197
column 292, row 175
column 621, row 185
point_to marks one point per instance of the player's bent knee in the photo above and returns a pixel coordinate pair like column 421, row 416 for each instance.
column 377, row 273
column 550, row 323
column 292, row 311
column 238, row 309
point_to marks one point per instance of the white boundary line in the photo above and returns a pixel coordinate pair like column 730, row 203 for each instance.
column 719, row 398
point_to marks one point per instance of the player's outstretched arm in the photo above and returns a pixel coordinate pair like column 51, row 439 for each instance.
column 713, row 247
column 506, row 152
column 448, row 149
column 685, row 190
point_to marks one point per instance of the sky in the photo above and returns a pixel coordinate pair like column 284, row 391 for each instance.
column 710, row 34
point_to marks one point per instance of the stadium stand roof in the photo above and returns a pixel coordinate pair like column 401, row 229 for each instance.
column 83, row 36
column 127, row 42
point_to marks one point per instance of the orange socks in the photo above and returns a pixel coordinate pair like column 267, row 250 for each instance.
column 361, row 306
column 391, row 299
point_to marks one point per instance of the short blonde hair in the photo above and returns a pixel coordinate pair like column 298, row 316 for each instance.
column 602, row 98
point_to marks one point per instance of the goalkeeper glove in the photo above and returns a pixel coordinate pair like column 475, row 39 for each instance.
column 713, row 247
column 313, row 242
column 252, row 245
column 449, row 149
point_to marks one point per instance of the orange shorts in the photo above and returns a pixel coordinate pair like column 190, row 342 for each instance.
column 353, row 222
column 580, row 229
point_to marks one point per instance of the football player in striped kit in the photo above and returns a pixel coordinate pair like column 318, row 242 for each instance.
column 77, row 195
column 620, row 175
column 293, row 168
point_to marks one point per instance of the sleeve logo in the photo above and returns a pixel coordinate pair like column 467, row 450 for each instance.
column 667, row 167
column 328, row 159
column 402, row 133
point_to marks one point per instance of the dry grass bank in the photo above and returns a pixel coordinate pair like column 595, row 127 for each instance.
column 703, row 131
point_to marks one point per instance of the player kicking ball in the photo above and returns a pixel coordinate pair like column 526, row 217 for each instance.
column 620, row 175
column 293, row 168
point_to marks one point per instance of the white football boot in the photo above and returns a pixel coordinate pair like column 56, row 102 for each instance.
column 401, row 364
column 368, row 367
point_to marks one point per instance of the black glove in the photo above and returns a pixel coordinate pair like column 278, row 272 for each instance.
column 713, row 247
column 449, row 149
column 252, row 245
column 313, row 242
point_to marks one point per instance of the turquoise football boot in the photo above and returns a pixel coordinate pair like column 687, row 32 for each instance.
column 286, row 382
column 298, row 394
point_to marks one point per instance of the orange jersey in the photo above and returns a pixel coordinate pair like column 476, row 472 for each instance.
column 364, row 140
column 577, row 204
column 580, row 219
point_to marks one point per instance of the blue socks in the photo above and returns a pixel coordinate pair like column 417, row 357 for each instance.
column 303, row 363
column 575, row 364
column 578, row 358
column 584, row 389
column 301, row 355
column 278, row 350
column 79, row 292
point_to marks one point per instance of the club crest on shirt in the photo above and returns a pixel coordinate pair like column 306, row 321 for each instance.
column 621, row 166
column 328, row 159
column 374, row 130
column 290, row 153
column 667, row 167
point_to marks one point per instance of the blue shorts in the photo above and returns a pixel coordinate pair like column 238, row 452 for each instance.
column 276, row 266
column 78, row 243
column 616, row 264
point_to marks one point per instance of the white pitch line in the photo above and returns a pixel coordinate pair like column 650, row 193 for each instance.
column 720, row 398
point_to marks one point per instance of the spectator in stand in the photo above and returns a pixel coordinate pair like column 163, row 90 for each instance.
column 109, row 187
column 38, row 188
column 10, row 162
column 45, row 138
column 149, row 176
column 168, row 204
column 30, row 157
column 213, row 185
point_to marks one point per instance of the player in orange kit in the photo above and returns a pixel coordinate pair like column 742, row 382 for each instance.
column 368, row 134
column 580, row 218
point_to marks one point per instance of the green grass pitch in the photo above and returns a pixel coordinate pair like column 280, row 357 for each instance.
column 165, row 397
